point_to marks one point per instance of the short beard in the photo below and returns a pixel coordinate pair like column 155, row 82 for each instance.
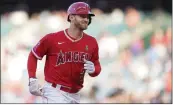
column 79, row 26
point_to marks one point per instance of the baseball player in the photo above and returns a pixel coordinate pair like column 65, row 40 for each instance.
column 70, row 54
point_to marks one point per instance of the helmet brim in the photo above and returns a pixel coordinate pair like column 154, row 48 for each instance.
column 91, row 14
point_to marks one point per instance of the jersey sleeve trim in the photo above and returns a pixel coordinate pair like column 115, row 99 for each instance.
column 36, row 55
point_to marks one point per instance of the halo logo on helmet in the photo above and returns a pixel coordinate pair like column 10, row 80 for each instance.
column 79, row 8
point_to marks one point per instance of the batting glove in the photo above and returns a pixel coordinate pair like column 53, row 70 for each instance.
column 89, row 66
column 34, row 87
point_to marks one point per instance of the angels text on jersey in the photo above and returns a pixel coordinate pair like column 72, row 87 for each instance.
column 71, row 56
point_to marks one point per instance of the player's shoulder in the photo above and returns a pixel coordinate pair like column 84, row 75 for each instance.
column 89, row 37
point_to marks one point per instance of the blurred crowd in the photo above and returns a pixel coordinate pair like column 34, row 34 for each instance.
column 134, row 48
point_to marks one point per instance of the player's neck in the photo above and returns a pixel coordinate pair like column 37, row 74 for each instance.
column 75, row 33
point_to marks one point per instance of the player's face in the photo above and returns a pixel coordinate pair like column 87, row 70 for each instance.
column 81, row 21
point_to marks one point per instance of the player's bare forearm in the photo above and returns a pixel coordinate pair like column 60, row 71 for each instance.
column 32, row 65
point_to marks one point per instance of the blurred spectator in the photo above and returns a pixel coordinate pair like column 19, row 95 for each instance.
column 132, row 17
column 168, row 86
column 157, row 38
column 137, row 45
column 168, row 36
column 108, row 46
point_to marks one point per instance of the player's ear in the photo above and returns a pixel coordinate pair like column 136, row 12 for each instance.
column 71, row 17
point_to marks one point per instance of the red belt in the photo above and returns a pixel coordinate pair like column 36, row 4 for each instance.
column 65, row 88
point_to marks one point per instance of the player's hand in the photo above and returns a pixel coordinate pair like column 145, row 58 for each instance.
column 89, row 66
column 34, row 87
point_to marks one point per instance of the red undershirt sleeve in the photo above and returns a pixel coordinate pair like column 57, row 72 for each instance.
column 32, row 65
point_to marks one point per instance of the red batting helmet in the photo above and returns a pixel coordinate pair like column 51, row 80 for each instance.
column 79, row 8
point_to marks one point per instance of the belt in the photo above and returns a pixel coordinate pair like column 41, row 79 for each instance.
column 61, row 87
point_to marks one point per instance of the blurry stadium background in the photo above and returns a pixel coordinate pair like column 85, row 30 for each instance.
column 134, row 37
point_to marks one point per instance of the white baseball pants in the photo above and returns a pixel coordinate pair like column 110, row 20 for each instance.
column 55, row 95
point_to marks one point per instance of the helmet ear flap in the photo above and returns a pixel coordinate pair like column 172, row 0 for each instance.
column 90, row 19
column 68, row 18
